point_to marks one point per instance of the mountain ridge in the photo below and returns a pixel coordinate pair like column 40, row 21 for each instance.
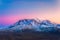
column 32, row 24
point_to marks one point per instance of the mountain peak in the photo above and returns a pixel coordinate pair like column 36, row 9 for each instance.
column 32, row 24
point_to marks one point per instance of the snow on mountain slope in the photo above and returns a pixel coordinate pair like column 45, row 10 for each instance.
column 35, row 25
column 25, row 24
column 32, row 24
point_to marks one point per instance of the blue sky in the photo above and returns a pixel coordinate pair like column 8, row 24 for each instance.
column 24, row 4
column 13, row 9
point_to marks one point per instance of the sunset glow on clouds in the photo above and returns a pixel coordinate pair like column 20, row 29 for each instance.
column 14, row 10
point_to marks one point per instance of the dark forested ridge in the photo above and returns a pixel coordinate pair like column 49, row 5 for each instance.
column 9, row 35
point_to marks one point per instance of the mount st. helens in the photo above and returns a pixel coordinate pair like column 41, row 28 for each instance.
column 31, row 29
column 34, row 25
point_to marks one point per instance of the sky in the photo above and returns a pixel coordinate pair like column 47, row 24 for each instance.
column 13, row 10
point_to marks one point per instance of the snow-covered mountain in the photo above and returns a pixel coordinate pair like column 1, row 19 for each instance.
column 26, row 24
column 35, row 25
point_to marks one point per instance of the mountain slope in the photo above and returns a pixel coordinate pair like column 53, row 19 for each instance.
column 31, row 29
column 32, row 24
